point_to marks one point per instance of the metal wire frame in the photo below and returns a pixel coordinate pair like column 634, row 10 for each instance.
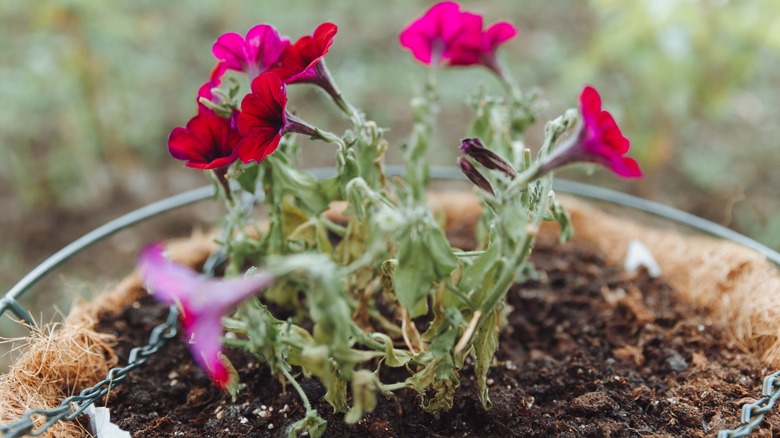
column 70, row 408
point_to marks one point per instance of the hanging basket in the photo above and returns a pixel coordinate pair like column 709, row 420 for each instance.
column 737, row 287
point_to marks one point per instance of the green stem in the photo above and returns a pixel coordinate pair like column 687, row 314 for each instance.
column 468, row 253
column 519, row 256
column 297, row 387
column 333, row 227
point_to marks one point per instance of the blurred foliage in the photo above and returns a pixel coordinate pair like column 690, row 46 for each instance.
column 92, row 88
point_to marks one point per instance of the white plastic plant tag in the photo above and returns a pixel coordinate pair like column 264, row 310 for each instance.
column 638, row 255
column 102, row 427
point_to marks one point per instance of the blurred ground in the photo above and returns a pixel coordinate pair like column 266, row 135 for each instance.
column 91, row 90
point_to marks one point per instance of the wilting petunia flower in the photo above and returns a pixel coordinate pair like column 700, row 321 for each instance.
column 202, row 302
column 598, row 141
column 264, row 119
column 207, row 142
column 215, row 80
column 253, row 54
column 474, row 176
column 301, row 61
column 474, row 148
column 434, row 37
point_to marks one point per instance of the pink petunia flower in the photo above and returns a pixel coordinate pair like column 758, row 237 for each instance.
column 215, row 80
column 484, row 52
column 434, row 37
column 207, row 142
column 301, row 61
column 264, row 119
column 253, row 54
column 599, row 141
column 202, row 302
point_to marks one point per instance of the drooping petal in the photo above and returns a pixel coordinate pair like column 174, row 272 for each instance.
column 207, row 142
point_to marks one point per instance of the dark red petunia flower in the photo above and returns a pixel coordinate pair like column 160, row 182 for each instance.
column 253, row 54
column 300, row 62
column 599, row 141
column 207, row 142
column 264, row 119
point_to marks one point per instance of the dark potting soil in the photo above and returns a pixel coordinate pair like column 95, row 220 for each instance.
column 589, row 351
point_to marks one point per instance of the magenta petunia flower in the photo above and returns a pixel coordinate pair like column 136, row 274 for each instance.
column 215, row 80
column 443, row 30
column 207, row 142
column 483, row 52
column 264, row 119
column 599, row 141
column 253, row 54
column 202, row 303
column 300, row 62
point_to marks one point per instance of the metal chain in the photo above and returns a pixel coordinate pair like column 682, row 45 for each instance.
column 753, row 413
column 73, row 406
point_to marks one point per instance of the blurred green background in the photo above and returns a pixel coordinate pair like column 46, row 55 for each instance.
column 90, row 90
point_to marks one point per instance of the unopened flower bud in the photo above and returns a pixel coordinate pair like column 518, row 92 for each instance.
column 474, row 148
column 474, row 176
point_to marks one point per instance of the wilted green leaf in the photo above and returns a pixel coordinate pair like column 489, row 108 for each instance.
column 363, row 396
column 485, row 344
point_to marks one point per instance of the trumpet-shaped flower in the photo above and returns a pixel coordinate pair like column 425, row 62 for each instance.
column 301, row 62
column 434, row 37
column 207, row 142
column 202, row 303
column 253, row 54
column 264, row 119
column 598, row 141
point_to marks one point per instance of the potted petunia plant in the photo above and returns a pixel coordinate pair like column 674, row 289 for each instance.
column 361, row 282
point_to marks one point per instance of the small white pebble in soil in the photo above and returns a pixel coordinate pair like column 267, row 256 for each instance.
column 509, row 387
column 271, row 409
column 220, row 414
column 672, row 400
column 700, row 327
column 173, row 374
column 270, row 425
column 219, row 408
column 244, row 420
column 510, row 365
column 285, row 409
column 264, row 407
column 489, row 382
column 174, row 382
column 136, row 305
